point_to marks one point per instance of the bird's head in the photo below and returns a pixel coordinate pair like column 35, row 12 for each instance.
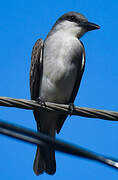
column 74, row 23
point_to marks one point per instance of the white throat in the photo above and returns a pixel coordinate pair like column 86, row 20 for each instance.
column 70, row 28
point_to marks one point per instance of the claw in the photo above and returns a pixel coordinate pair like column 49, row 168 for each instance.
column 41, row 101
column 71, row 108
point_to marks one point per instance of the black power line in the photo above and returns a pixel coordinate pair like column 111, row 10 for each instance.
column 40, row 139
column 60, row 108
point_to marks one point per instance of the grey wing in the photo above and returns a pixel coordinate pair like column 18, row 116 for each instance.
column 36, row 69
column 79, row 76
column 81, row 68
column 36, row 73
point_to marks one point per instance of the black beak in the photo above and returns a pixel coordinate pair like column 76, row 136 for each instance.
column 89, row 26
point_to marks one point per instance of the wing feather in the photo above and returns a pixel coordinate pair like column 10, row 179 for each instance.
column 63, row 117
column 36, row 74
column 36, row 68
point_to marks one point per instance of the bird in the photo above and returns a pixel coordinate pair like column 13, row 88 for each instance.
column 57, row 66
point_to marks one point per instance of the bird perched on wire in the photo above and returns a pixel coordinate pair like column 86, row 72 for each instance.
column 57, row 66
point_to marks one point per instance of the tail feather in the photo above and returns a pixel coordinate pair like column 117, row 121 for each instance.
column 45, row 157
column 50, row 162
column 44, row 161
column 39, row 164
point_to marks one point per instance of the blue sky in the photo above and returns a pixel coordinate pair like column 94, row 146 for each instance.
column 21, row 24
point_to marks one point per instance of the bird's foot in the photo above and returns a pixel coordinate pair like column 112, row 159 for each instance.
column 41, row 101
column 71, row 108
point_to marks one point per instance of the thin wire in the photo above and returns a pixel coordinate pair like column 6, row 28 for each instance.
column 43, row 140
column 61, row 108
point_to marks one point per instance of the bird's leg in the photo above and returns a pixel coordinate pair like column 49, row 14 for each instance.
column 71, row 108
column 41, row 101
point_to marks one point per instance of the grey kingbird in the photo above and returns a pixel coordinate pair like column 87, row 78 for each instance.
column 57, row 66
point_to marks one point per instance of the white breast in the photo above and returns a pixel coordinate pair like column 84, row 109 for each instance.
column 59, row 67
